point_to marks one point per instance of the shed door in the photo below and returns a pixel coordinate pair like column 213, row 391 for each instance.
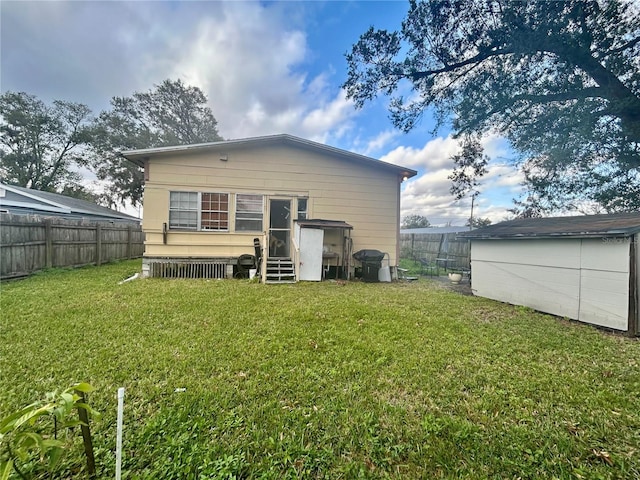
column 311, row 240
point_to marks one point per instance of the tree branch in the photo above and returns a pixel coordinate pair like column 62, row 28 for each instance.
column 480, row 57
column 627, row 45
column 588, row 92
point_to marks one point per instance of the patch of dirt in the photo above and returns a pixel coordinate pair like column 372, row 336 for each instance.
column 463, row 288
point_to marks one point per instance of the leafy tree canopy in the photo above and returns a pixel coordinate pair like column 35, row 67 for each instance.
column 470, row 165
column 415, row 221
column 171, row 114
column 42, row 146
column 560, row 80
column 478, row 222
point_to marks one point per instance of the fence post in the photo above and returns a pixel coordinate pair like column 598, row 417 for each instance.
column 129, row 240
column 48, row 243
column 98, row 244
column 439, row 255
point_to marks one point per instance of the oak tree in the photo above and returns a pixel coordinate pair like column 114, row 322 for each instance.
column 560, row 80
column 43, row 146
column 171, row 114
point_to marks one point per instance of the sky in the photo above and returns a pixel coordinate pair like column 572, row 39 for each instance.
column 266, row 68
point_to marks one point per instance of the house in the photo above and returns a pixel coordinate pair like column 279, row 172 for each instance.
column 25, row 201
column 306, row 206
column 584, row 267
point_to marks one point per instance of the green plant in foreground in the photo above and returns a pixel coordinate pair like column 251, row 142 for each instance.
column 22, row 437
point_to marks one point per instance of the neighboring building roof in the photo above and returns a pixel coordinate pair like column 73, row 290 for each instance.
column 435, row 230
column 22, row 200
column 617, row 224
column 139, row 156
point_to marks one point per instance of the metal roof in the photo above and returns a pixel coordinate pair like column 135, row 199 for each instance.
column 616, row 224
column 319, row 223
column 56, row 204
column 435, row 230
column 139, row 156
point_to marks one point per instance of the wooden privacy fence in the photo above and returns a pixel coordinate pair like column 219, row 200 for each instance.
column 29, row 243
column 430, row 246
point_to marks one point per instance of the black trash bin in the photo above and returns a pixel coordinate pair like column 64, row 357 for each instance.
column 245, row 263
column 371, row 261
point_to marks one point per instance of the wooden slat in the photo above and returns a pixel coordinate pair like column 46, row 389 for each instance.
column 30, row 243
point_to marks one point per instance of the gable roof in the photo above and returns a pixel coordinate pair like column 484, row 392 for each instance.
column 36, row 201
column 616, row 224
column 139, row 156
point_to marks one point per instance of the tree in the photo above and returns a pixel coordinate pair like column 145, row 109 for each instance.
column 415, row 221
column 171, row 114
column 42, row 146
column 478, row 222
column 470, row 165
column 560, row 80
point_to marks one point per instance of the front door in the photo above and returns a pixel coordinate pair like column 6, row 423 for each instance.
column 279, row 228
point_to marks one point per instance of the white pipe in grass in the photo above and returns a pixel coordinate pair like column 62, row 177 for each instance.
column 119, row 433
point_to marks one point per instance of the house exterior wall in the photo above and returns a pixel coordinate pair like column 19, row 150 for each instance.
column 582, row 279
column 365, row 197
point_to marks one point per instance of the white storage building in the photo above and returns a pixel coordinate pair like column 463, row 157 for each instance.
column 584, row 267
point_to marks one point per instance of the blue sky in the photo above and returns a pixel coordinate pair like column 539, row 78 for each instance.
column 267, row 67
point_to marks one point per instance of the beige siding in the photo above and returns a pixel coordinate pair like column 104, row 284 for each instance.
column 582, row 279
column 338, row 189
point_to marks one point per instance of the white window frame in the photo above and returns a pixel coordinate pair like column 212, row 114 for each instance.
column 261, row 213
column 306, row 210
column 207, row 229
column 198, row 210
column 172, row 225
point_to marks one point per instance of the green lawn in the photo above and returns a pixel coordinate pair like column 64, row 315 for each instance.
column 322, row 380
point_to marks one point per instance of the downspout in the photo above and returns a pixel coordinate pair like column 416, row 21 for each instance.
column 634, row 282
column 400, row 180
column 265, row 253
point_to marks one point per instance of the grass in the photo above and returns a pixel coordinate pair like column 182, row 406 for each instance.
column 323, row 380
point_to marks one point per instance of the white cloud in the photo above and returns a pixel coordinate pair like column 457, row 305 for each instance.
column 378, row 142
column 252, row 59
column 434, row 155
column 249, row 61
column 319, row 121
column 429, row 193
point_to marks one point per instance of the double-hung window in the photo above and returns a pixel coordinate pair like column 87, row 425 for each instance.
column 249, row 212
column 183, row 210
column 214, row 214
column 199, row 211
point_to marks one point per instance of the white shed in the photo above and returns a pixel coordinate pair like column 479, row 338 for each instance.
column 584, row 267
